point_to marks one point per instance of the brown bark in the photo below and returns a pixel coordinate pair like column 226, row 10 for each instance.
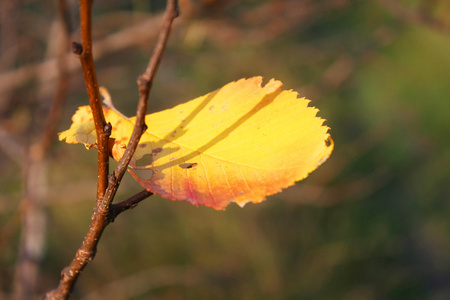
column 104, row 211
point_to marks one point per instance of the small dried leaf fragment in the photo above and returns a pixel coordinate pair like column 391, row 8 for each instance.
column 239, row 144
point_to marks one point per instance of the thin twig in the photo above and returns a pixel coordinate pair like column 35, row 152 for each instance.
column 129, row 203
column 102, row 214
column 145, row 82
column 87, row 62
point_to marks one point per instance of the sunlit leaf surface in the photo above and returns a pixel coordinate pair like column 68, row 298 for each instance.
column 239, row 144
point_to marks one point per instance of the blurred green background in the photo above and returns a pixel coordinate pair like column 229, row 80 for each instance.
column 373, row 222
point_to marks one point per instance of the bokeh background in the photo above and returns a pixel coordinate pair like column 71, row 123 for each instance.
column 373, row 222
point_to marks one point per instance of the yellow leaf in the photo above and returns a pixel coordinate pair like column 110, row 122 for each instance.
column 239, row 143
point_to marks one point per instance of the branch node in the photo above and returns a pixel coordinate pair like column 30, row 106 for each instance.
column 107, row 129
column 112, row 178
column 65, row 272
column 143, row 83
column 85, row 256
column 77, row 48
column 176, row 12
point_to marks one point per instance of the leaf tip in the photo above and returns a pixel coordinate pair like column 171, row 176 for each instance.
column 273, row 85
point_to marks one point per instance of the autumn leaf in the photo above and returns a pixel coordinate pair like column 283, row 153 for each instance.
column 239, row 144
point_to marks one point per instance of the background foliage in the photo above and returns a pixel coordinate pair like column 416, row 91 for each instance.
column 371, row 223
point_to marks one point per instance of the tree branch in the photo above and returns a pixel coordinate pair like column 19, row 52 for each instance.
column 145, row 82
column 104, row 211
column 129, row 203
column 87, row 62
